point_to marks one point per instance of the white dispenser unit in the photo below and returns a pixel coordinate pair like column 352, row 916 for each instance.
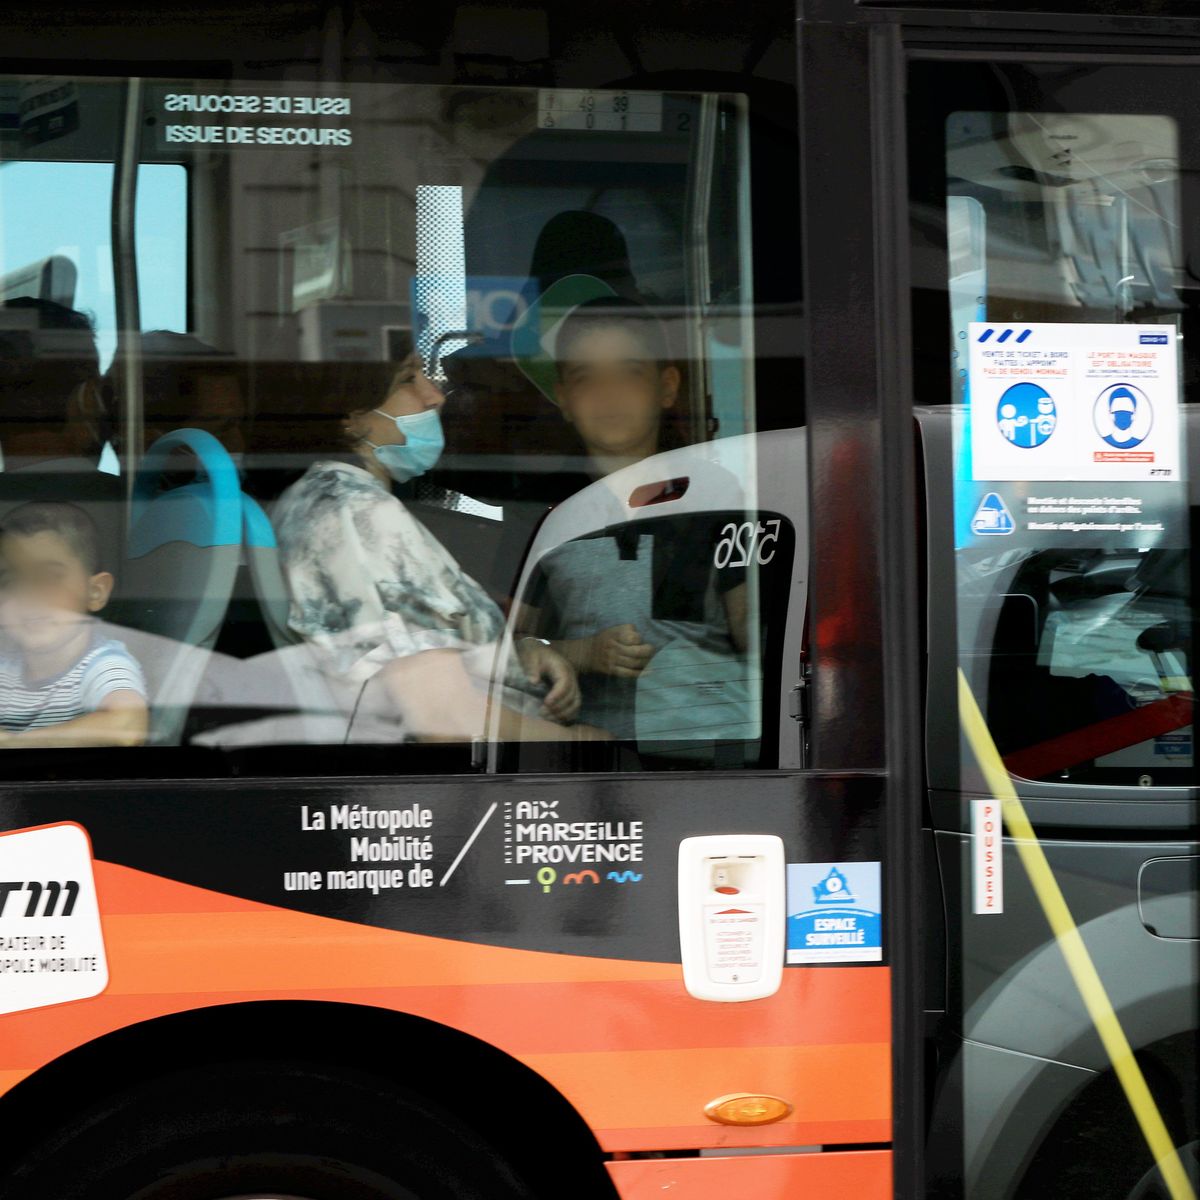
column 731, row 915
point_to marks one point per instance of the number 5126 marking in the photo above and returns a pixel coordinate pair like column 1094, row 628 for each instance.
column 747, row 543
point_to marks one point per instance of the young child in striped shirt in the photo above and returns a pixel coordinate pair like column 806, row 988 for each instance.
column 62, row 683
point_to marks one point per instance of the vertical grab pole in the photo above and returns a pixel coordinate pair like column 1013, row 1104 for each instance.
column 900, row 594
column 699, row 202
column 125, row 279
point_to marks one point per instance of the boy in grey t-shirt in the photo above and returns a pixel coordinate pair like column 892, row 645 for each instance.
column 61, row 683
column 610, row 601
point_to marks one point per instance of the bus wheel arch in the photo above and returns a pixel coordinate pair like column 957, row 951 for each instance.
column 482, row 1089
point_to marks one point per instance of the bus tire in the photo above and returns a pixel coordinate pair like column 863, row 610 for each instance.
column 301, row 1131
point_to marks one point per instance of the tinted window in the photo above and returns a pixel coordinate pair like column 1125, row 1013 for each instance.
column 1074, row 593
column 354, row 406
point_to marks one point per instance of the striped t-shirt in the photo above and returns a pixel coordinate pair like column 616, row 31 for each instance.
column 106, row 667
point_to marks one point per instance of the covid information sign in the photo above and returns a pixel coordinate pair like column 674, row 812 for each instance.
column 1074, row 437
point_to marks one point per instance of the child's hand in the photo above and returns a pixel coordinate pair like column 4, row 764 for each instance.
column 619, row 651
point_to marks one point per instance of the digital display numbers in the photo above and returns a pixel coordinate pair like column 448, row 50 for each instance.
column 583, row 109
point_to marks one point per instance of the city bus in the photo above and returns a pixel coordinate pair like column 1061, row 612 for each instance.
column 597, row 601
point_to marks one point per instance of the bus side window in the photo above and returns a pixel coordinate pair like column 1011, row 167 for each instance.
column 1090, row 668
column 399, row 403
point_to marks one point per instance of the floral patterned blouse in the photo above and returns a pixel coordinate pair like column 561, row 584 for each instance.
column 368, row 582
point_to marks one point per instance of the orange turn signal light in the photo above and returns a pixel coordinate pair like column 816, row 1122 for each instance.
column 746, row 1108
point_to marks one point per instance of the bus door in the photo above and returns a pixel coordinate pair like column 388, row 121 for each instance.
column 1054, row 339
column 453, row 408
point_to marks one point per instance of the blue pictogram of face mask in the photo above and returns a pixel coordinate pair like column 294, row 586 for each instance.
column 423, row 444
column 1121, row 407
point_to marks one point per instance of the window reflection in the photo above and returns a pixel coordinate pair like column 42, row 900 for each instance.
column 424, row 437
column 1083, row 647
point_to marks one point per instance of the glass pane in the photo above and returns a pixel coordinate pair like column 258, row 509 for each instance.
column 426, row 420
column 57, row 213
column 1071, row 523
column 1054, row 285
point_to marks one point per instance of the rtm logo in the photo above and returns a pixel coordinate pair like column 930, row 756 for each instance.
column 67, row 892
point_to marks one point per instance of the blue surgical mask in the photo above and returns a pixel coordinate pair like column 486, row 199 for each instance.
column 422, row 447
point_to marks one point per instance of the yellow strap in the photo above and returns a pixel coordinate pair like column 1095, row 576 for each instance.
column 1070, row 942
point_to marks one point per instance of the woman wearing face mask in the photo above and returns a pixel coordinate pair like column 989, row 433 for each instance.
column 395, row 615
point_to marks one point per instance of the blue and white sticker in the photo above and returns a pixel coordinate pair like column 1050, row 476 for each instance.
column 834, row 912
column 1026, row 415
column 992, row 518
column 1123, row 416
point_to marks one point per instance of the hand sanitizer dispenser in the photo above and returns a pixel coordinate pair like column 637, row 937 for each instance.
column 731, row 915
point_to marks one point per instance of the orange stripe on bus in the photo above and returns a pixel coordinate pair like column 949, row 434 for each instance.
column 278, row 950
column 649, row 1015
column 174, row 944
column 521, row 1018
column 855, row 1175
column 203, row 952
column 620, row 1039
column 634, row 1099
column 125, row 890
column 725, row 1137
column 10, row 1079
column 620, row 1088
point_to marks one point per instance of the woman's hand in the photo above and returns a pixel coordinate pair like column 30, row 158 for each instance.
column 542, row 663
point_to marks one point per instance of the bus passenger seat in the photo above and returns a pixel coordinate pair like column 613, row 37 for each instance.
column 182, row 557
column 270, row 587
column 315, row 715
